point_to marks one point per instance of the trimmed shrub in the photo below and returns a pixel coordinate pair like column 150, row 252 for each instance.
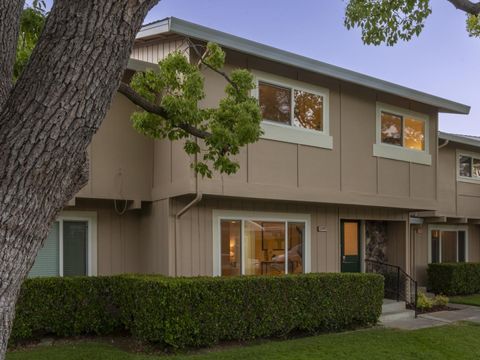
column 65, row 307
column 203, row 311
column 441, row 300
column 193, row 312
column 423, row 302
column 454, row 278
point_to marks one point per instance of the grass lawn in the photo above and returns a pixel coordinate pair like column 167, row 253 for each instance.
column 461, row 341
column 467, row 300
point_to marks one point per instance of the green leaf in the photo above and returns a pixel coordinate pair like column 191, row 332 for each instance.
column 178, row 86
column 387, row 21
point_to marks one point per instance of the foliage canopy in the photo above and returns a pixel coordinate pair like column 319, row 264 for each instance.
column 388, row 21
column 178, row 88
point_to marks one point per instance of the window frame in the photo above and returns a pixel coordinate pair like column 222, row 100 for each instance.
column 472, row 155
column 290, row 133
column 396, row 152
column 441, row 228
column 243, row 216
column 90, row 218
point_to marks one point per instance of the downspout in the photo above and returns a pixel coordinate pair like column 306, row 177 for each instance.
column 196, row 200
column 444, row 144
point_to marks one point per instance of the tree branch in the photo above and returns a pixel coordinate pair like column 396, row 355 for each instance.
column 10, row 13
column 194, row 46
column 146, row 105
column 470, row 7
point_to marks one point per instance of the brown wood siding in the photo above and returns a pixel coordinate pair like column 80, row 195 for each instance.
column 420, row 244
column 474, row 243
column 346, row 174
column 156, row 51
column 456, row 198
column 195, row 230
column 397, row 244
column 155, row 246
column 118, row 237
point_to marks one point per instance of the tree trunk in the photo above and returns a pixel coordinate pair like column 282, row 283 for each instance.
column 10, row 12
column 47, row 123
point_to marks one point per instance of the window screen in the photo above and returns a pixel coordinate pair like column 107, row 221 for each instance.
column 47, row 261
column 75, row 248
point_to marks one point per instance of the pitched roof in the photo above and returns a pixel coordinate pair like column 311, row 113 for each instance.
column 174, row 25
column 462, row 139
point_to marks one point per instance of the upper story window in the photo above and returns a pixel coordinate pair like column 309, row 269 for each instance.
column 403, row 131
column 468, row 165
column 293, row 111
column 291, row 106
column 402, row 135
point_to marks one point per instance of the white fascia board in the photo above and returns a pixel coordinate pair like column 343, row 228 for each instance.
column 233, row 42
column 139, row 65
column 459, row 139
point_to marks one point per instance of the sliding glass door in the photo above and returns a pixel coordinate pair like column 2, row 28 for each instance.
column 261, row 246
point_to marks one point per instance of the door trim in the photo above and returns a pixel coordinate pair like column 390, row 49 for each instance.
column 360, row 242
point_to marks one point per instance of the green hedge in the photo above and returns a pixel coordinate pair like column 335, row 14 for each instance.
column 191, row 312
column 66, row 307
column 454, row 278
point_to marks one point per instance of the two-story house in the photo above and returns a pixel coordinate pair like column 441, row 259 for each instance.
column 345, row 162
column 451, row 232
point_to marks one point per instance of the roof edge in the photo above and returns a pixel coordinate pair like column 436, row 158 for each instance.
column 250, row 47
column 459, row 139
column 139, row 65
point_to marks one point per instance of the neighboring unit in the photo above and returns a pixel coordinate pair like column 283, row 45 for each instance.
column 350, row 168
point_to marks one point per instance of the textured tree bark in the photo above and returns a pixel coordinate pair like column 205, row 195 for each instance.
column 470, row 7
column 10, row 11
column 47, row 122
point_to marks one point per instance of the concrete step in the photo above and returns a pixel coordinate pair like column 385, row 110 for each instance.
column 395, row 310
column 392, row 306
column 397, row 315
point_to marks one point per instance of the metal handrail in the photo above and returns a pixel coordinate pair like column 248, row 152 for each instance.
column 400, row 275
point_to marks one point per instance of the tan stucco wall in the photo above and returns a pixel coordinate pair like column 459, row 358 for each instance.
column 121, row 159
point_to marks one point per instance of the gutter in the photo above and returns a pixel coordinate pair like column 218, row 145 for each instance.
column 188, row 29
column 459, row 139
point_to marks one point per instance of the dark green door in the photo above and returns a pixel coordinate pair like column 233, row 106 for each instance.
column 350, row 246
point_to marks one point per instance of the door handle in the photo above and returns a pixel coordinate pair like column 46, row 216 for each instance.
column 343, row 258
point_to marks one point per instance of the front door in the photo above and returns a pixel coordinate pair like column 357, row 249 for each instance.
column 350, row 246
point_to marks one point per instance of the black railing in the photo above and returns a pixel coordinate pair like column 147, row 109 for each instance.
column 399, row 285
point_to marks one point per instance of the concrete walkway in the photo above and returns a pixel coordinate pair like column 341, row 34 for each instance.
column 463, row 313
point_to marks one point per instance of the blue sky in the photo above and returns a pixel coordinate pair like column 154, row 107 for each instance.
column 444, row 61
